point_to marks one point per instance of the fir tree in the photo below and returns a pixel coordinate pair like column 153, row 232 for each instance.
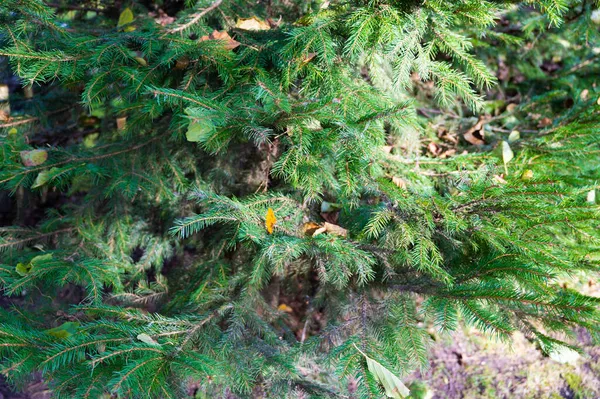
column 202, row 170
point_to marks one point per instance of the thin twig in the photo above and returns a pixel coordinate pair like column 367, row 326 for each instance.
column 196, row 17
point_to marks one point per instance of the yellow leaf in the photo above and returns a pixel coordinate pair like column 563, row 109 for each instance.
column 252, row 24
column 527, row 175
column 23, row 269
column 285, row 308
column 125, row 18
column 309, row 228
column 270, row 220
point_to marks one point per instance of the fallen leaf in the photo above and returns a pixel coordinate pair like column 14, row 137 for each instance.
column 309, row 228
column 141, row 60
column 33, row 157
column 511, row 107
column 145, row 338
column 125, row 18
column 564, row 355
column 394, row 388
column 252, row 24
column 198, row 130
column 162, row 18
column 230, row 43
column 507, row 155
column 401, row 183
column 514, row 136
column 306, row 59
column 43, row 177
column 500, row 179
column 527, row 175
column 319, row 231
column 182, row 62
column 23, row 269
column 545, row 122
column 584, row 94
column 335, row 229
column 65, row 330
column 591, row 197
column 434, row 148
column 285, row 308
column 270, row 220
column 121, row 123
column 476, row 134
column 90, row 140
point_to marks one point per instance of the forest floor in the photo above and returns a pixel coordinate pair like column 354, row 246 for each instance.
column 469, row 365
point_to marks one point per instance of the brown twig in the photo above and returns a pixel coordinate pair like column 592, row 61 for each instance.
column 196, row 17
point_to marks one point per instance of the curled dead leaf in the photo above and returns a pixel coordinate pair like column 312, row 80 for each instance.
column 476, row 134
column 335, row 229
column 309, row 228
column 230, row 43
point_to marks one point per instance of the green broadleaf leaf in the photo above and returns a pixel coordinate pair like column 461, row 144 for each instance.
column 394, row 388
column 65, row 330
column 125, row 18
column 23, row 269
column 198, row 130
column 43, row 177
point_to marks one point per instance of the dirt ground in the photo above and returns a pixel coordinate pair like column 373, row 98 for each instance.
column 468, row 365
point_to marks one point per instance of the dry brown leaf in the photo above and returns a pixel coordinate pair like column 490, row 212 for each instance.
column 309, row 228
column 335, row 229
column 121, row 123
column 320, row 230
column 399, row 182
column 182, row 62
column 476, row 135
column 230, row 43
column 161, row 17
column 434, row 148
column 306, row 59
column 545, row 122
column 500, row 179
